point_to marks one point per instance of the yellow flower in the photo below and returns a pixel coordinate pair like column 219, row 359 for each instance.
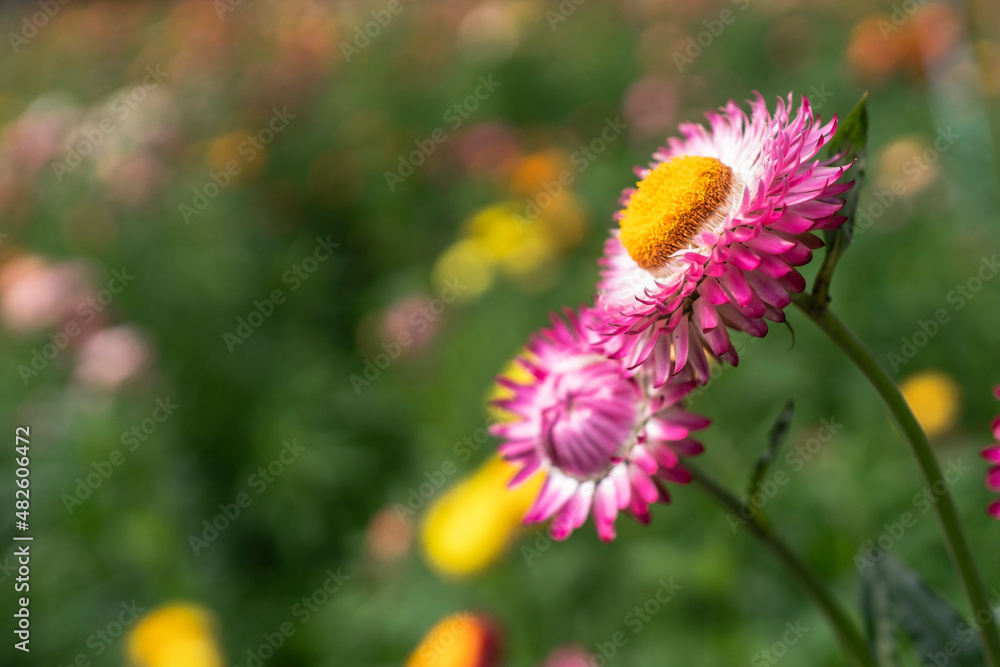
column 471, row 525
column 459, row 640
column 175, row 635
column 468, row 263
column 516, row 244
column 935, row 399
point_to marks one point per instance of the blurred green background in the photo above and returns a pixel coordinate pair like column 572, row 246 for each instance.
column 388, row 171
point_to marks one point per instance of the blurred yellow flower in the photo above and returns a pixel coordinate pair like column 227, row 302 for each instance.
column 467, row 263
column 517, row 245
column 459, row 640
column 935, row 399
column 470, row 526
column 497, row 230
column 175, row 635
column 498, row 238
column 902, row 168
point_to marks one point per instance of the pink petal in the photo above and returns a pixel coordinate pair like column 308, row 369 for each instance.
column 736, row 284
column 705, row 315
column 554, row 495
column 665, row 429
column 994, row 509
column 993, row 479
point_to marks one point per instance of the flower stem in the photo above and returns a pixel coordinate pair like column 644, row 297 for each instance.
column 958, row 545
column 848, row 635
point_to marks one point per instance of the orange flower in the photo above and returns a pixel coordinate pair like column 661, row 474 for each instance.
column 459, row 640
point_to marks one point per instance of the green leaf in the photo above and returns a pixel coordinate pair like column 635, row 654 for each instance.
column 937, row 632
column 851, row 139
column 852, row 132
column 876, row 615
column 775, row 437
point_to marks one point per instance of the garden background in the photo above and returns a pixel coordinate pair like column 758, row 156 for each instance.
column 260, row 262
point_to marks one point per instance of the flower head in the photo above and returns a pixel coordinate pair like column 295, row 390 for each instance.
column 992, row 454
column 460, row 640
column 175, row 634
column 709, row 237
column 604, row 440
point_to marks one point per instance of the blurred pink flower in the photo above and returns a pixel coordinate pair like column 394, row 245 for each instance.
column 410, row 322
column 650, row 105
column 489, row 147
column 992, row 454
column 132, row 179
column 35, row 294
column 111, row 357
column 389, row 536
column 568, row 656
column 36, row 137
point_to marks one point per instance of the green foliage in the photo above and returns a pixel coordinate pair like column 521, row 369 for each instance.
column 895, row 600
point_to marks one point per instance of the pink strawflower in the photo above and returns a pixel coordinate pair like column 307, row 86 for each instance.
column 708, row 238
column 604, row 440
column 992, row 454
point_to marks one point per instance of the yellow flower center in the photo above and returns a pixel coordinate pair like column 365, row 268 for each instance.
column 672, row 203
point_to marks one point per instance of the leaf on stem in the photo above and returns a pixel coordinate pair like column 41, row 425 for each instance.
column 893, row 594
column 879, row 626
column 775, row 437
column 850, row 141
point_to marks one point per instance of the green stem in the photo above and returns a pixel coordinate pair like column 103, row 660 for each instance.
column 850, row 638
column 958, row 545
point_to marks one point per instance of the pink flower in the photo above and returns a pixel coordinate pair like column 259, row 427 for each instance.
column 605, row 441
column 709, row 237
column 992, row 454
column 569, row 656
column 112, row 357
